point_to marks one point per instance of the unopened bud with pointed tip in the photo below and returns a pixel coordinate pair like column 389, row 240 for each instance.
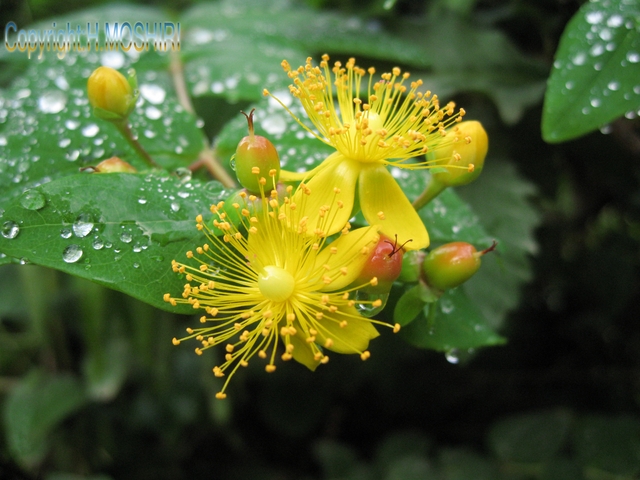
column 111, row 94
column 452, row 264
column 256, row 154
column 463, row 157
column 384, row 263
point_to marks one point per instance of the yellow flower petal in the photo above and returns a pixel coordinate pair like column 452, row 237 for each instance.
column 335, row 185
column 302, row 352
column 384, row 203
column 351, row 253
column 353, row 337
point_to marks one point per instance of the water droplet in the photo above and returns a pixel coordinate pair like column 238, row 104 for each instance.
column 606, row 129
column 10, row 229
column 53, row 101
column 452, row 356
column 149, row 133
column 114, row 59
column 613, row 85
column 153, row 93
column 3, row 141
column 72, row 124
column 274, row 125
column 65, row 142
column 72, row 253
column 579, row 58
column 595, row 102
column 97, row 244
column 142, row 201
column 597, row 49
column 83, row 225
column 136, row 265
column 183, row 174
column 152, row 113
column 232, row 164
column 126, row 237
column 595, row 17
column 32, row 200
column 65, row 233
column 615, row 21
column 633, row 57
column 90, row 130
column 175, row 207
column 367, row 309
column 217, row 87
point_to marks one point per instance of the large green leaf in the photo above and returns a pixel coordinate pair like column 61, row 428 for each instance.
column 120, row 230
column 47, row 129
column 34, row 408
column 234, row 49
column 595, row 74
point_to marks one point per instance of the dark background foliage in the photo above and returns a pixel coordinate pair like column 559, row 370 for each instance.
column 558, row 401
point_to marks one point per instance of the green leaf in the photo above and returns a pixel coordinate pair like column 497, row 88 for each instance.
column 608, row 443
column 500, row 197
column 34, row 408
column 234, row 49
column 411, row 304
column 596, row 70
column 105, row 373
column 47, row 129
column 119, row 230
column 470, row 57
column 457, row 324
column 530, row 438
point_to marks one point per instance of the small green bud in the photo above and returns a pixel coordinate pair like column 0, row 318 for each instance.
column 385, row 264
column 464, row 154
column 256, row 158
column 111, row 95
column 452, row 264
column 114, row 165
column 411, row 266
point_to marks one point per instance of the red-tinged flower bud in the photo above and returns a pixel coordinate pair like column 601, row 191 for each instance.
column 114, row 165
column 256, row 158
column 111, row 95
column 385, row 264
column 452, row 264
column 464, row 155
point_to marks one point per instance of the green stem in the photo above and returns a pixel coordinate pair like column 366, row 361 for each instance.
column 431, row 320
column 432, row 191
column 125, row 129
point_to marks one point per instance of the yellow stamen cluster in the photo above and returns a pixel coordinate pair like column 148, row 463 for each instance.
column 272, row 279
column 372, row 121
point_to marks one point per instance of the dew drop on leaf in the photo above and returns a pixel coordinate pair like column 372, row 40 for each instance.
column 32, row 200
column 72, row 253
column 83, row 225
column 10, row 229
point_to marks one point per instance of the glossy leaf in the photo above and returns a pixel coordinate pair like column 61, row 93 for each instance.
column 457, row 324
column 595, row 74
column 119, row 230
column 233, row 49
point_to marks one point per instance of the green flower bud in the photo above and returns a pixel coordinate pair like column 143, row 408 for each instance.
column 111, row 95
column 452, row 264
column 256, row 158
column 385, row 264
column 464, row 154
column 411, row 266
column 114, row 165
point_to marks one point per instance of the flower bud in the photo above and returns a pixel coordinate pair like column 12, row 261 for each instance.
column 452, row 264
column 385, row 263
column 256, row 151
column 111, row 95
column 411, row 266
column 114, row 165
column 464, row 154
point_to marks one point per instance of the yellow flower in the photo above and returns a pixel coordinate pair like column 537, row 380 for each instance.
column 275, row 279
column 110, row 93
column 371, row 126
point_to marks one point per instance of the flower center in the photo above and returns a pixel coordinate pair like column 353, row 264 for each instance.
column 276, row 283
